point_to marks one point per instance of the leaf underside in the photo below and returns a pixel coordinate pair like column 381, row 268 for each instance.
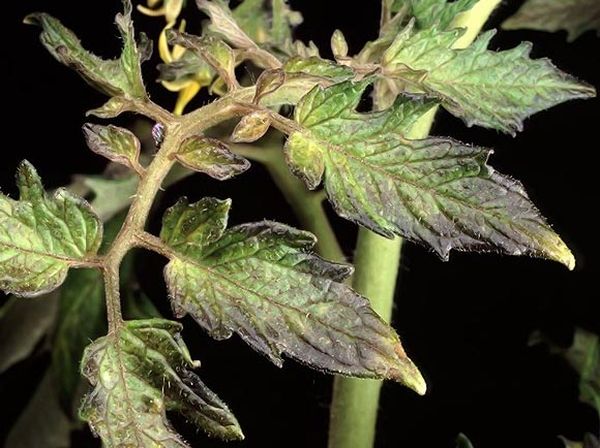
column 138, row 374
column 260, row 281
column 41, row 236
column 436, row 191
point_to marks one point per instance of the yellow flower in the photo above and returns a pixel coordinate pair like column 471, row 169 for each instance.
column 187, row 88
column 168, row 8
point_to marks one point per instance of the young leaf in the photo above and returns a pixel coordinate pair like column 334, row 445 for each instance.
column 316, row 66
column 251, row 127
column 212, row 157
column 115, row 77
column 437, row 191
column 491, row 89
column 116, row 144
column 224, row 24
column 574, row 16
column 41, row 236
column 214, row 51
column 339, row 46
column 260, row 281
column 268, row 82
column 138, row 374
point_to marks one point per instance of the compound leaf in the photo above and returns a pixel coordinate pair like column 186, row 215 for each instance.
column 140, row 372
column 260, row 281
column 114, row 77
column 574, row 16
column 492, row 89
column 42, row 235
column 436, row 191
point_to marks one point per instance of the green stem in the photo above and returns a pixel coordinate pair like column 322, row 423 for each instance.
column 355, row 402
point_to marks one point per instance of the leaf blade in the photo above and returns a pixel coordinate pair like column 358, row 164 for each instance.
column 42, row 236
column 437, row 192
column 259, row 281
column 127, row 408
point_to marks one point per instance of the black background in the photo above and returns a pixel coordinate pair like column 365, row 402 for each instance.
column 465, row 323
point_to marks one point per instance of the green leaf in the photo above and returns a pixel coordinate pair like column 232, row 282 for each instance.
column 212, row 157
column 491, row 89
column 253, row 18
column 434, row 13
column 260, row 281
column 574, row 16
column 187, row 68
column 283, row 21
column 115, row 77
column 316, row 66
column 436, row 191
column 42, row 236
column 140, row 372
column 43, row 423
column 23, row 324
column 224, row 24
column 584, row 357
column 116, row 144
column 252, row 127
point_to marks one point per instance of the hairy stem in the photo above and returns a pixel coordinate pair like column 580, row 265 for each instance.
column 177, row 129
column 355, row 402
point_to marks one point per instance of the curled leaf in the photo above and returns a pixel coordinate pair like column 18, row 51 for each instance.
column 268, row 82
column 116, row 144
column 138, row 374
column 262, row 282
column 212, row 157
column 115, row 77
column 252, row 127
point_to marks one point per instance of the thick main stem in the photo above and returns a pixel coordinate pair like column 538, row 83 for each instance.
column 355, row 402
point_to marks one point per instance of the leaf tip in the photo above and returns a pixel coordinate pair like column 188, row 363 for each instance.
column 408, row 373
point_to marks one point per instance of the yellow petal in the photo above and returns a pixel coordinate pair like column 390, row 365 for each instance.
column 153, row 3
column 151, row 12
column 185, row 96
column 173, row 9
column 163, row 46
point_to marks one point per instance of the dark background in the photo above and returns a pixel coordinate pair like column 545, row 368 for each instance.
column 465, row 323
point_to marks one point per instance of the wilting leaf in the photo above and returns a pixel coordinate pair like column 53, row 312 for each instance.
column 23, row 324
column 43, row 423
column 574, row 16
column 268, row 82
column 261, row 282
column 115, row 77
column 212, row 157
column 214, row 51
column 111, row 109
column 491, row 89
column 252, row 22
column 140, row 372
column 316, row 66
column 437, row 191
column 252, row 127
column 42, row 236
column 116, row 144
